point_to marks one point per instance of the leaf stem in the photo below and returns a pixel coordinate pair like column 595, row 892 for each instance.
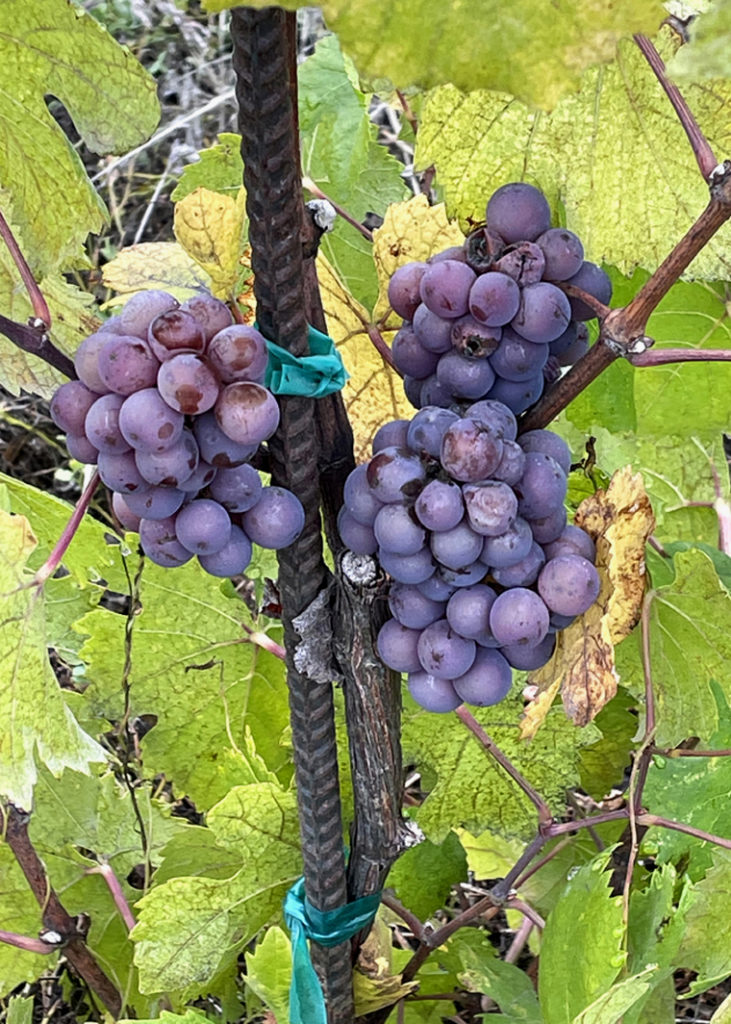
column 679, row 826
column 28, row 944
column 527, row 911
column 55, row 558
column 40, row 306
column 120, row 900
column 681, row 752
column 264, row 641
column 517, row 945
column 663, row 356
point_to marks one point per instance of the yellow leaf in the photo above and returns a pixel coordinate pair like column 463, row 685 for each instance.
column 374, row 983
column 620, row 520
column 210, row 227
column 163, row 265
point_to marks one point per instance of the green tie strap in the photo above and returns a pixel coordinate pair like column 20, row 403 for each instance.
column 313, row 376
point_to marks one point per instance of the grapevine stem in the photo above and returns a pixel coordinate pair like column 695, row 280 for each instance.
column 28, row 944
column 544, row 860
column 415, row 926
column 381, row 347
column 561, row 828
column 517, row 945
column 680, row 752
column 120, row 900
column 309, row 184
column 663, row 356
column 33, row 339
column 264, row 641
column 40, row 306
column 501, row 891
column 527, row 911
column 55, row 558
column 679, row 826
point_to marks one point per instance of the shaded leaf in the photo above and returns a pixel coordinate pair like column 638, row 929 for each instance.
column 620, row 998
column 423, row 876
column 603, row 764
column 707, row 54
column 705, row 947
column 376, row 983
column 148, row 265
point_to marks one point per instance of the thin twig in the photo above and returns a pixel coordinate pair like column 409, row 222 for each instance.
column 120, row 900
column 408, row 112
column 542, row 862
column 514, row 903
column 679, row 826
column 562, row 828
column 28, row 944
column 309, row 184
column 411, row 920
column 55, row 558
column 681, row 752
column 517, row 945
column 664, row 356
column 264, row 641
column 32, row 338
column 381, row 347
column 37, row 299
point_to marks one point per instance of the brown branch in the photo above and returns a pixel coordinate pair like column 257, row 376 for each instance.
column 381, row 347
column 679, row 826
column 309, row 184
column 682, row 752
column 117, row 893
column 32, row 338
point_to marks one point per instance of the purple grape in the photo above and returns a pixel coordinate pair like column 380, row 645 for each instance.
column 454, row 252
column 519, row 616
column 412, row 389
column 563, row 254
column 472, row 339
column 160, row 544
column 432, row 694
column 128, row 520
column 508, row 548
column 155, row 502
column 142, row 308
column 569, row 584
column 518, row 212
column 80, row 448
column 471, row 450
column 542, row 488
column 468, row 610
column 443, row 652
column 559, row 345
column 495, row 415
column 593, row 280
column 436, row 588
column 396, row 531
column 212, row 314
column 487, row 682
column 398, row 647
column 517, row 359
column 395, row 475
column 86, row 362
column 544, row 313
column 494, row 299
column 512, row 465
column 238, row 489
column 409, row 355
column 524, row 262
column 276, row 520
column 404, row 289
column 359, row 499
column 148, row 423
column 549, row 443
column 573, row 541
column 70, row 404
column 558, row 622
column 203, row 526
column 548, row 528
column 466, row 577
column 391, row 435
column 577, row 349
column 187, row 384
column 491, row 507
column 457, row 548
column 445, row 288
column 173, row 332
column 427, row 429
column 201, row 476
column 120, row 472
column 247, row 412
column 522, row 573
column 434, row 332
column 552, row 370
column 113, row 325
column 433, row 392
column 408, row 568
column 217, row 448
column 528, row 659
column 238, row 353
column 412, row 608
column 171, row 467
column 126, row 364
column 517, row 396
column 440, row 505
column 483, row 249
column 465, row 377
column 232, row 559
column 354, row 535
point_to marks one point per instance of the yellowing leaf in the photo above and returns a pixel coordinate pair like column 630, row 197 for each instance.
column 163, row 265
column 374, row 983
column 210, row 227
column 620, row 520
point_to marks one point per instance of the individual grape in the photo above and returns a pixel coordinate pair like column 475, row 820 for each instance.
column 433, row 392
column 443, row 652
column 542, row 488
column 395, row 475
column 397, row 646
column 528, row 659
column 277, row 519
column 217, row 448
column 564, row 341
column 508, row 548
column 119, row 472
column 155, row 502
column 412, row 389
column 491, row 507
column 212, row 314
column 593, row 280
column 201, row 477
column 238, row 489
column 404, row 289
column 434, row 332
column 408, row 568
column 569, row 584
column 160, row 544
column 548, row 528
column 552, row 370
column 396, row 531
column 412, row 608
column 563, row 254
column 148, row 423
column 465, row 377
column 573, row 541
column 468, row 610
column 171, row 467
column 359, row 499
column 232, row 559
column 549, row 443
column 519, row 616
column 454, row 252
column 237, row 353
column 495, row 415
column 101, row 425
column 427, row 429
column 70, row 404
column 86, row 362
column 80, row 448
column 432, row 694
column 473, row 339
column 409, row 355
column 558, row 622
column 494, row 299
column 188, row 384
column 517, row 359
column 487, row 682
column 518, row 396
column 440, row 505
column 458, row 547
column 173, row 332
column 436, row 588
column 512, row 465
column 482, row 249
column 126, row 364
column 391, row 435
column 113, row 325
column 142, row 308
column 578, row 348
column 247, row 413
column 466, row 577
column 445, row 288
column 203, row 526
column 544, row 313
column 127, row 519
column 471, row 450
column 518, row 212
column 522, row 573
column 524, row 262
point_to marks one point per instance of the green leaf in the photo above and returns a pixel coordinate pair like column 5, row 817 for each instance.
column 423, row 876
column 219, row 168
column 20, row 1011
column 690, row 645
column 620, row 109
column 589, row 919
column 53, row 47
column 705, row 947
column 20, row 914
column 602, row 764
column 164, row 265
column 611, row 1005
column 707, row 54
column 510, row 987
column 269, row 971
column 166, row 1017
column 488, row 855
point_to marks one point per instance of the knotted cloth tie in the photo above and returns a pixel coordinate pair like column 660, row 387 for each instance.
column 326, row 928
column 313, row 376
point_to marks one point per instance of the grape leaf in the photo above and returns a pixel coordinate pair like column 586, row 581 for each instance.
column 54, row 47
column 190, row 1016
column 603, row 764
column 269, row 971
column 20, row 914
column 619, row 999
column 543, row 47
column 705, row 947
column 211, row 228
column 219, row 168
column 20, row 1011
column 489, row 855
column 148, row 265
column 375, row 981
column 423, row 876
column 707, row 53
column 619, row 127
column 510, row 987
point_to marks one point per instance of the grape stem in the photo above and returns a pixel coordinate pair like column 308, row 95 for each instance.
column 663, row 356
column 682, row 752
column 381, row 347
column 53, row 561
column 33, row 339
column 264, row 641
column 120, row 900
column 37, row 299
column 28, row 944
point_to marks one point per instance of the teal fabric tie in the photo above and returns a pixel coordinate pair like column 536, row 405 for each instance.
column 326, row 928
column 318, row 374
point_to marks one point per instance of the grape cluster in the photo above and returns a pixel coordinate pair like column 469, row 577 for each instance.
column 489, row 319
column 170, row 405
column 470, row 524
